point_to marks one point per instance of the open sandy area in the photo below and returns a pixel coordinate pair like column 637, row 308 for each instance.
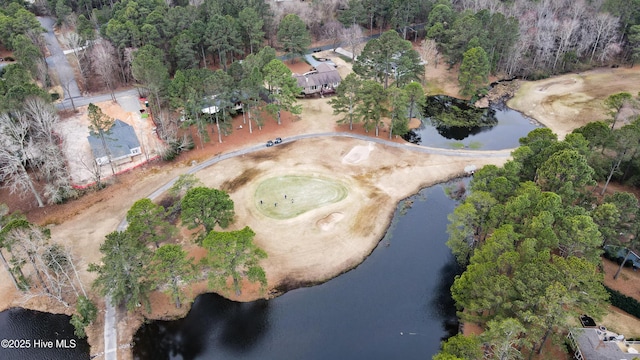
column 570, row 101
column 322, row 243
column 74, row 130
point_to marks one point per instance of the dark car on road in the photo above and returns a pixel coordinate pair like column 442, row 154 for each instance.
column 278, row 140
column 269, row 143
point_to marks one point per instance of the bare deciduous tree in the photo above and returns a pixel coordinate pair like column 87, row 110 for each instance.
column 43, row 119
column 351, row 38
column 66, row 87
column 604, row 28
column 104, row 62
column 15, row 152
column 428, row 51
column 90, row 164
column 43, row 116
column 76, row 43
column 25, row 241
column 51, row 264
column 332, row 31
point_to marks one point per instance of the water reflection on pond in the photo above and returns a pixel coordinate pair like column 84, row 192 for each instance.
column 41, row 336
column 498, row 127
column 395, row 305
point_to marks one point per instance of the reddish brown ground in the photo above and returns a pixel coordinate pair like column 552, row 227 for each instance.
column 298, row 66
column 4, row 52
column 628, row 283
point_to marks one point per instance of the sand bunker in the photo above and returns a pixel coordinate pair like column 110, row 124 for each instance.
column 358, row 154
column 327, row 222
column 559, row 85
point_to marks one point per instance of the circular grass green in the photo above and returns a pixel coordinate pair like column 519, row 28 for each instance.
column 285, row 197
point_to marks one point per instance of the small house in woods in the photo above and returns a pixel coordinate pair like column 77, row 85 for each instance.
column 121, row 142
column 212, row 104
column 322, row 80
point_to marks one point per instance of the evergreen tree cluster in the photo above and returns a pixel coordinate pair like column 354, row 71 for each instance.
column 530, row 235
column 145, row 257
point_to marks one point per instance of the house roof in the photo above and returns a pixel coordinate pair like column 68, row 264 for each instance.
column 596, row 344
column 120, row 139
column 324, row 74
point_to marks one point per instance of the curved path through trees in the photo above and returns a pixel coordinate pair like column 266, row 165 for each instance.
column 110, row 324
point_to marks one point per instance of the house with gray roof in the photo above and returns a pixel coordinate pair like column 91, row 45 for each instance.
column 121, row 143
column 598, row 343
column 322, row 80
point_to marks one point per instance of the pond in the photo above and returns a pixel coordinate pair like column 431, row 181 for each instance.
column 395, row 305
column 29, row 335
column 500, row 127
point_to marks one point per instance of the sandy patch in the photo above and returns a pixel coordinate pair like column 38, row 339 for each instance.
column 564, row 103
column 75, row 129
column 358, row 154
column 327, row 222
column 414, row 123
column 628, row 282
column 307, row 254
column 620, row 322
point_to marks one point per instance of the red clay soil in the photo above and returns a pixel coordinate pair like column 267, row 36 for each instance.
column 298, row 66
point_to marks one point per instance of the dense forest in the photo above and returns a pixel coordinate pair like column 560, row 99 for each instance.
column 529, row 234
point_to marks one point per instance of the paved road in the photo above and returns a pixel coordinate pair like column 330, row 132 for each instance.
column 81, row 101
column 417, row 148
column 110, row 331
column 58, row 61
column 315, row 49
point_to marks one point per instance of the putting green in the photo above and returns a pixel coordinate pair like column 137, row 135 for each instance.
column 285, row 197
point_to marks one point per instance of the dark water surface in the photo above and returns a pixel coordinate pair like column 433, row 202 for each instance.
column 502, row 128
column 34, row 335
column 395, row 305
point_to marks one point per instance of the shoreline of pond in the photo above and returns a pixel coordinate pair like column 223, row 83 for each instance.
column 95, row 331
column 136, row 320
column 398, row 209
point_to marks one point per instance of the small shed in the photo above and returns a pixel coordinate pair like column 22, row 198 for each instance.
column 121, row 143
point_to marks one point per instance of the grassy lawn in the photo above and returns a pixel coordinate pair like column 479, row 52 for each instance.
column 285, row 197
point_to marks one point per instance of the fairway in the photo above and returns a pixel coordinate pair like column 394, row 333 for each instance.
column 285, row 197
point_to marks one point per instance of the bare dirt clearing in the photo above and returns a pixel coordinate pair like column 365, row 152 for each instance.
column 304, row 249
column 75, row 129
column 570, row 101
column 627, row 283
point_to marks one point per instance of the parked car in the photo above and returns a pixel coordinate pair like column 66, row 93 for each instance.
column 269, row 143
column 278, row 140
